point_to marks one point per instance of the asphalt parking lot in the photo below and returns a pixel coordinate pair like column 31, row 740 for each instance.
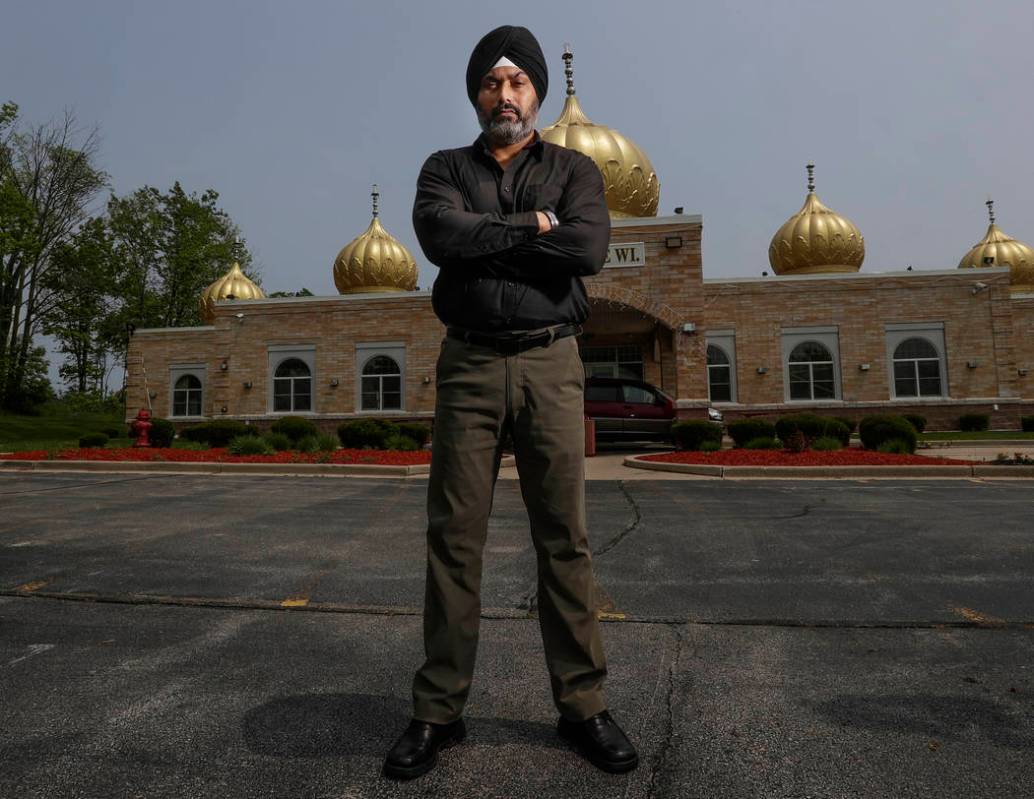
column 185, row 636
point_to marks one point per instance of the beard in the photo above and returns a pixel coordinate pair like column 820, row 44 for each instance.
column 508, row 131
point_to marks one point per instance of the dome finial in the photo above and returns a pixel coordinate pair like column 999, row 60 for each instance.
column 811, row 178
column 376, row 195
column 990, row 208
column 568, row 72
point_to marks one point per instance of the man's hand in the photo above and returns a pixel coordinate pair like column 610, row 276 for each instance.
column 544, row 224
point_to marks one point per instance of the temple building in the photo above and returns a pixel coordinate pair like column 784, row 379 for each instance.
column 818, row 334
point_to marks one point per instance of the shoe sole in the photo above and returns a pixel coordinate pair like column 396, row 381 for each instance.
column 411, row 772
column 612, row 766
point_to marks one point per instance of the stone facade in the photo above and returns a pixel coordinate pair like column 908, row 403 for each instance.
column 658, row 306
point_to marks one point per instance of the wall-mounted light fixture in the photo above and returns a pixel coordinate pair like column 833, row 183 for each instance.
column 333, row 382
column 689, row 327
column 679, row 209
column 426, row 380
column 247, row 384
column 239, row 317
column 673, row 242
column 223, row 409
column 762, row 370
column 972, row 364
column 1023, row 372
column 223, row 366
column 978, row 287
column 864, row 367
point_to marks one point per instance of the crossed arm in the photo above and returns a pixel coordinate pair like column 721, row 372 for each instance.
column 510, row 245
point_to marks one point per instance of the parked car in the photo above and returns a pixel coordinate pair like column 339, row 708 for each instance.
column 628, row 410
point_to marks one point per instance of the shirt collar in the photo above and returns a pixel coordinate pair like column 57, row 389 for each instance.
column 534, row 144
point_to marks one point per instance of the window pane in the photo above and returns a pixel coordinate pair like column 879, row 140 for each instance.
column 188, row 381
column 800, row 391
column 293, row 367
column 930, row 386
column 637, row 395
column 929, row 369
column 904, row 387
column 179, row 404
column 800, row 373
column 391, row 399
column 716, row 355
column 381, row 365
column 825, row 389
column 194, row 403
column 392, row 383
column 302, row 402
column 915, row 348
column 720, row 385
column 281, row 402
column 370, row 401
column 904, row 370
column 601, row 393
column 809, row 351
column 303, row 385
column 822, row 372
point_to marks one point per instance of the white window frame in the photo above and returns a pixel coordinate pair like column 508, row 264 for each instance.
column 828, row 337
column 178, row 370
column 930, row 331
column 725, row 340
column 366, row 350
column 278, row 353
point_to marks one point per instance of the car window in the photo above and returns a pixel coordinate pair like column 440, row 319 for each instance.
column 638, row 395
column 598, row 393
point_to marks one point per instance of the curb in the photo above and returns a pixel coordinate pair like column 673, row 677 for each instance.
column 933, row 470
column 976, row 443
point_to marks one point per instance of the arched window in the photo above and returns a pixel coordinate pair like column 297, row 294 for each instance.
column 292, row 386
column 811, row 372
column 186, row 396
column 917, row 369
column 381, row 384
column 719, row 374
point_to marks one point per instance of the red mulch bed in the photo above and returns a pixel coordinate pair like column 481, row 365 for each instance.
column 220, row 455
column 784, row 457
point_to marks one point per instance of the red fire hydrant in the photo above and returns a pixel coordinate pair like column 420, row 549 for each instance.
column 139, row 427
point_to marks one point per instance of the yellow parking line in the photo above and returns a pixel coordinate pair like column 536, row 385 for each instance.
column 975, row 616
column 34, row 585
column 297, row 602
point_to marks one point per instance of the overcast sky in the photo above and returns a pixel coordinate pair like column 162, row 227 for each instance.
column 913, row 111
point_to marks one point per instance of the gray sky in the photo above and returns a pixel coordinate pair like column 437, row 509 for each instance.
column 913, row 111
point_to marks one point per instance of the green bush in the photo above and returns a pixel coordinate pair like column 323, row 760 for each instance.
column 249, row 445
column 850, row 424
column 826, row 444
column 1027, row 424
column 745, row 430
column 326, row 442
column 812, row 426
column 93, row 440
column 763, row 442
column 917, row 421
column 710, row 446
column 420, row 433
column 113, row 431
column 895, row 446
column 307, row 444
column 878, row 430
column 193, row 446
column 690, row 434
column 218, row 432
column 363, row 433
column 278, row 441
column 974, row 422
column 295, row 427
column 161, row 433
column 397, row 441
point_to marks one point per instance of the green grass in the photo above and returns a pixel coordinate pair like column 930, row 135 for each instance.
column 52, row 430
column 980, row 435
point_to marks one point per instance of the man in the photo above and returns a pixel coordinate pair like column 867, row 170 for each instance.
column 513, row 223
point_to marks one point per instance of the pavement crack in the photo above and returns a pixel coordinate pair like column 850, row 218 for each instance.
column 669, row 715
column 78, row 485
column 637, row 517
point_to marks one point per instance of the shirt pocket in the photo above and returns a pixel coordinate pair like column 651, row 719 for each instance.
column 542, row 197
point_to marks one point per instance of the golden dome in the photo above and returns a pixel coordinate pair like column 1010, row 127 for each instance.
column 374, row 261
column 234, row 285
column 816, row 240
column 631, row 184
column 999, row 249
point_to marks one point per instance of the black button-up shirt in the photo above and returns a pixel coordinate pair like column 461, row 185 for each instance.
column 476, row 221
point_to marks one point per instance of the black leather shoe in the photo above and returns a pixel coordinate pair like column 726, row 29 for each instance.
column 601, row 740
column 416, row 752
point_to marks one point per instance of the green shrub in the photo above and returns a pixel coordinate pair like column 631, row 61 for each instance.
column 295, row 428
column 812, row 426
column 826, row 444
column 745, row 430
column 917, row 421
column 93, row 440
column 397, row 441
column 218, row 432
column 690, row 434
column 895, row 446
column 326, row 442
column 193, row 446
column 278, row 441
column 363, row 433
column 307, row 444
column 161, row 433
column 850, row 424
column 1027, row 424
column 763, row 442
column 710, row 446
column 420, row 433
column 249, row 445
column 113, row 431
column 974, row 422
column 877, row 430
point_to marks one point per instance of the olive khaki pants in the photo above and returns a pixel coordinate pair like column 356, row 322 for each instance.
column 536, row 397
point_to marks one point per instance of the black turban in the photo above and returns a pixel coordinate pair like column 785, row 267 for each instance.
column 516, row 43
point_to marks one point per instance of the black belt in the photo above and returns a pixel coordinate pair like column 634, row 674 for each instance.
column 512, row 344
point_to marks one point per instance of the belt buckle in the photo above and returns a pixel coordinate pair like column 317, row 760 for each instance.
column 508, row 346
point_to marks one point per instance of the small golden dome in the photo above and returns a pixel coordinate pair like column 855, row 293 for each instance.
column 631, row 184
column 999, row 249
column 816, row 240
column 234, row 285
column 374, row 261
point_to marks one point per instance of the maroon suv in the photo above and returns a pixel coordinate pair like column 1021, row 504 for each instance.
column 629, row 410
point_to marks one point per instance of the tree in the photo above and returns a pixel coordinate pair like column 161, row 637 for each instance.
column 47, row 182
column 303, row 293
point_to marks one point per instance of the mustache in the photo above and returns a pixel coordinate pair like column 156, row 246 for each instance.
column 507, row 107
